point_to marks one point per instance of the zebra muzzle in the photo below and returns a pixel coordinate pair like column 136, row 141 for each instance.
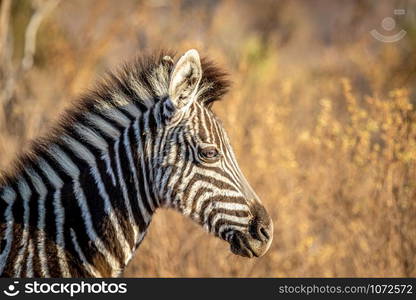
column 257, row 240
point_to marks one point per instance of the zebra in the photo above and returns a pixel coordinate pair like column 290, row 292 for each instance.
column 79, row 203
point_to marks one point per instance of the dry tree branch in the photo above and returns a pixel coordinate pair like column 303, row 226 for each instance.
column 9, row 73
column 42, row 10
column 4, row 24
column 6, row 68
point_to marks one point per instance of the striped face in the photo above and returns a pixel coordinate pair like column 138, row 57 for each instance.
column 197, row 172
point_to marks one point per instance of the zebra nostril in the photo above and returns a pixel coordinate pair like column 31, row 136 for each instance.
column 259, row 231
column 265, row 233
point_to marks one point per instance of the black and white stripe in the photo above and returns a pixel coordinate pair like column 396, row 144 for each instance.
column 79, row 205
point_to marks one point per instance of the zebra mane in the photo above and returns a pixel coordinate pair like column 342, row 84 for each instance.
column 148, row 76
column 142, row 81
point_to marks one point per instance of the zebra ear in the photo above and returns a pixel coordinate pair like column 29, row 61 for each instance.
column 185, row 79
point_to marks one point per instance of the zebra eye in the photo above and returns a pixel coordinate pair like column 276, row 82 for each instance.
column 209, row 154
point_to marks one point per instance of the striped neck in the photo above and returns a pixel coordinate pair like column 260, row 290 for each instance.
column 82, row 207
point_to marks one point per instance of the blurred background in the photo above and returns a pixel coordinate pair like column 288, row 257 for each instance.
column 321, row 115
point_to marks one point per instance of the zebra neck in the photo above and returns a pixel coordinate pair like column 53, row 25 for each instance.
column 117, row 187
column 83, row 205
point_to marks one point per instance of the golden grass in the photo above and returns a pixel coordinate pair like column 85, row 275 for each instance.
column 321, row 117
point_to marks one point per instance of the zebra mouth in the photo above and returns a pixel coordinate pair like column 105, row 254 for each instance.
column 240, row 245
column 254, row 243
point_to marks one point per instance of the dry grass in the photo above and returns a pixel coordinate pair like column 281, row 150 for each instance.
column 321, row 117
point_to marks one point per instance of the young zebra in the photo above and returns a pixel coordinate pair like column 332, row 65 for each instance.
column 80, row 203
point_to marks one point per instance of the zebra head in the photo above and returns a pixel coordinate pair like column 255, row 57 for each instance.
column 198, row 173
